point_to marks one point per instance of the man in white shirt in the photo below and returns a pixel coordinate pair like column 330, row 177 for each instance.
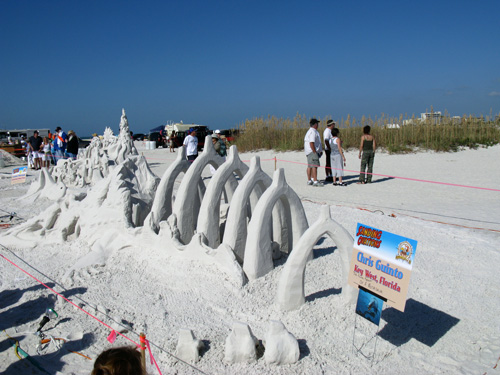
column 191, row 144
column 327, row 135
column 312, row 147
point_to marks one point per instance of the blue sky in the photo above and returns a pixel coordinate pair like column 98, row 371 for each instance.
column 76, row 64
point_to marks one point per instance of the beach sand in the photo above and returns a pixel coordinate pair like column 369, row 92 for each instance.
column 450, row 324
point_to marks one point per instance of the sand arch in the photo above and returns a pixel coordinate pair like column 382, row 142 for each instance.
column 258, row 249
column 208, row 219
column 162, row 204
column 187, row 203
column 253, row 184
column 290, row 292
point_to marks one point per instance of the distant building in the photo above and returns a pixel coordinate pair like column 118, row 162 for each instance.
column 433, row 117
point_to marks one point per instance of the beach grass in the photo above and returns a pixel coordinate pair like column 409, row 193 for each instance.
column 445, row 134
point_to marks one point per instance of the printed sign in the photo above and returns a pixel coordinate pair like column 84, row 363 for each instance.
column 381, row 263
column 19, row 175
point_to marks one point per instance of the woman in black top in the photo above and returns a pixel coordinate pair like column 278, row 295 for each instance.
column 72, row 149
column 367, row 147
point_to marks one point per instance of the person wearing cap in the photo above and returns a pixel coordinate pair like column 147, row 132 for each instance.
column 60, row 142
column 312, row 147
column 36, row 143
column 191, row 144
column 222, row 142
column 216, row 143
column 327, row 135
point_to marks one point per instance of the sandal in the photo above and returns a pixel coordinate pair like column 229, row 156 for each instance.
column 341, row 184
column 361, row 183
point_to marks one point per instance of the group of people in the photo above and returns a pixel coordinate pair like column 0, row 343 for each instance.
column 41, row 152
column 191, row 144
column 335, row 157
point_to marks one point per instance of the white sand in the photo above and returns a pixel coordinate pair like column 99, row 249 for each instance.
column 451, row 320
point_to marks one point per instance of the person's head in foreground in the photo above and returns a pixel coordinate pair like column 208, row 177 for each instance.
column 366, row 129
column 125, row 360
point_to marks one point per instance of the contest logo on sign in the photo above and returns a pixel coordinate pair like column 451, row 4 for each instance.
column 381, row 265
column 405, row 251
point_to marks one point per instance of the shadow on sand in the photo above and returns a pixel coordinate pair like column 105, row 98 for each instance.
column 419, row 321
column 323, row 294
column 31, row 310
column 49, row 363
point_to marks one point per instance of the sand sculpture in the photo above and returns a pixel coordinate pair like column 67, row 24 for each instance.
column 258, row 218
column 290, row 294
column 241, row 220
column 241, row 344
column 98, row 158
column 188, row 346
column 281, row 346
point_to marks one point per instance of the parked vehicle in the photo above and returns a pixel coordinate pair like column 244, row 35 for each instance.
column 15, row 134
column 229, row 134
column 138, row 137
column 158, row 138
column 181, row 130
column 83, row 143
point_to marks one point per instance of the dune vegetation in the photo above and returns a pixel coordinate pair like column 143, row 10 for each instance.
column 396, row 135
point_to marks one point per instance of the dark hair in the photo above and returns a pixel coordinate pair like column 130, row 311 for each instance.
column 335, row 132
column 366, row 129
column 125, row 360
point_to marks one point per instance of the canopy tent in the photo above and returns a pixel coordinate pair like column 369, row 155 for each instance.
column 157, row 129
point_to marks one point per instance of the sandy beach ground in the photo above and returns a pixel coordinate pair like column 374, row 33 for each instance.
column 450, row 324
